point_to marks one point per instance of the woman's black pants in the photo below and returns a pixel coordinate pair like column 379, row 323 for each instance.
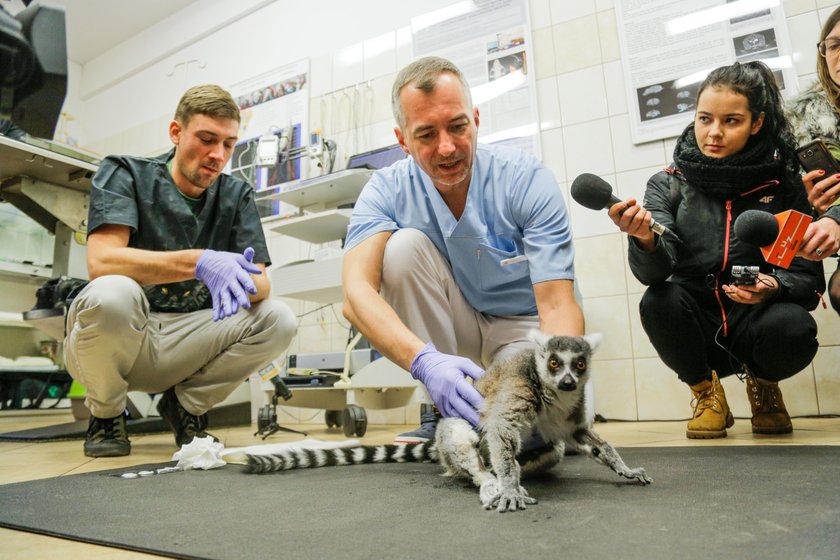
column 775, row 340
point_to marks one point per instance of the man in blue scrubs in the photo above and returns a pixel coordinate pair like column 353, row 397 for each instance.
column 453, row 255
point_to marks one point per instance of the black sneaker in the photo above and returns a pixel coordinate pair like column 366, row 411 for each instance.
column 186, row 426
column 106, row 437
column 429, row 417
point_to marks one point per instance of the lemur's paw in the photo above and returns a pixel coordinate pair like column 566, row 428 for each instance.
column 513, row 500
column 638, row 474
column 489, row 493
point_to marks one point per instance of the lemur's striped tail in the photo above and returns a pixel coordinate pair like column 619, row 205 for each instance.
column 310, row 458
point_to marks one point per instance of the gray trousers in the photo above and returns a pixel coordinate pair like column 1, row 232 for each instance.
column 114, row 344
column 417, row 283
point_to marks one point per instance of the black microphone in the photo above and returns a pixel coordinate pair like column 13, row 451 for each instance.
column 594, row 193
column 757, row 228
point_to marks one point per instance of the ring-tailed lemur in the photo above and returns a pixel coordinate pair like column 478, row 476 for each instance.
column 545, row 389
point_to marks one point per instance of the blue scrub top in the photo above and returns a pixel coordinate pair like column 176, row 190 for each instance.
column 514, row 207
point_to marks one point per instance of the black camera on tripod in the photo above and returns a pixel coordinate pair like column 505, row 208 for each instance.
column 742, row 275
column 267, row 415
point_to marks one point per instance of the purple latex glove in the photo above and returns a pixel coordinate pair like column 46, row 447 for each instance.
column 228, row 277
column 443, row 376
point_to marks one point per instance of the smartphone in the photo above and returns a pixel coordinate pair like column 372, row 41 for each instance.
column 815, row 155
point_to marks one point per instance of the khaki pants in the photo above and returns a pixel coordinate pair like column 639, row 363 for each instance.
column 418, row 283
column 114, row 344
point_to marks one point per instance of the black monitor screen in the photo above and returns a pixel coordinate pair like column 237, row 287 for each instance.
column 377, row 159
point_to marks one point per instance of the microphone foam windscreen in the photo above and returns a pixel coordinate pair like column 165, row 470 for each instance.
column 591, row 191
column 757, row 228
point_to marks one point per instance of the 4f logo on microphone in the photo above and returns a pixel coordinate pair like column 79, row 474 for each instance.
column 766, row 199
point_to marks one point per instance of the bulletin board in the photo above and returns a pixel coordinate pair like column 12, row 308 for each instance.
column 668, row 47
column 490, row 41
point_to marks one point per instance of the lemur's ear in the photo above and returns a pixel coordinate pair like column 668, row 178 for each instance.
column 594, row 340
column 538, row 337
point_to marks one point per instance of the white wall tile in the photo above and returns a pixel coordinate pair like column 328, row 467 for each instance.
column 804, row 33
column 582, row 95
column 794, row 7
column 548, row 103
column 805, row 80
column 828, row 325
column 660, row 394
column 599, row 266
column 670, row 146
column 588, row 149
column 382, row 134
column 380, row 56
column 608, row 34
column 540, row 12
column 827, row 377
column 320, row 115
column 633, row 156
column 642, row 348
column 586, row 222
column 632, row 184
column 320, row 71
column 614, row 85
column 564, row 10
column 608, row 316
column 381, row 91
column 576, row 44
column 736, row 397
column 543, row 53
column 800, row 393
column 348, row 66
column 615, row 389
column 602, row 5
column 553, row 154
column 403, row 47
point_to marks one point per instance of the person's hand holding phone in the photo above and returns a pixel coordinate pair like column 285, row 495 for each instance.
column 823, row 188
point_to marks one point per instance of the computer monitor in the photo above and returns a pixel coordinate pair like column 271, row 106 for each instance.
column 377, row 159
column 33, row 68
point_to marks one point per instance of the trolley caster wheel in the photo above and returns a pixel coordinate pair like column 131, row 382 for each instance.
column 354, row 421
column 333, row 418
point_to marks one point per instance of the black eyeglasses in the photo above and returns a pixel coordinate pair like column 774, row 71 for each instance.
column 829, row 48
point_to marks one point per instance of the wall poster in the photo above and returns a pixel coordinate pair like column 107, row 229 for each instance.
column 490, row 41
column 668, row 47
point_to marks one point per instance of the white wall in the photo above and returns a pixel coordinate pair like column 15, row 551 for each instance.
column 126, row 97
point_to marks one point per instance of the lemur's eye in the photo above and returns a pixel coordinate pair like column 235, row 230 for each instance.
column 553, row 363
column 580, row 365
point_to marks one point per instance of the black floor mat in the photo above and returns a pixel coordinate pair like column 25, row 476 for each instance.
column 231, row 415
column 78, row 430
column 768, row 502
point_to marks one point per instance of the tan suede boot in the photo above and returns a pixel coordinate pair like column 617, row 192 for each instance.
column 711, row 413
column 769, row 415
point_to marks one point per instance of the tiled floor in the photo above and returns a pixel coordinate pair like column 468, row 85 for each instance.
column 29, row 461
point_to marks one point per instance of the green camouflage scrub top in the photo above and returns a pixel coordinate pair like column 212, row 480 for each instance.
column 140, row 193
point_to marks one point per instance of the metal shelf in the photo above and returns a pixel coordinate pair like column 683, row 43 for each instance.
column 318, row 281
column 320, row 193
column 319, row 227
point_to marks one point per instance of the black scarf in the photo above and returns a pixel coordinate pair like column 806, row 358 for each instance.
column 730, row 176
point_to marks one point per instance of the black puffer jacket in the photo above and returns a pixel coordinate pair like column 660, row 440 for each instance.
column 709, row 248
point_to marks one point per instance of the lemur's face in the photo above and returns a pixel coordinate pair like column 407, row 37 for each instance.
column 563, row 362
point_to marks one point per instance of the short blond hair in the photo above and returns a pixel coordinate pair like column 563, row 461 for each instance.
column 207, row 99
